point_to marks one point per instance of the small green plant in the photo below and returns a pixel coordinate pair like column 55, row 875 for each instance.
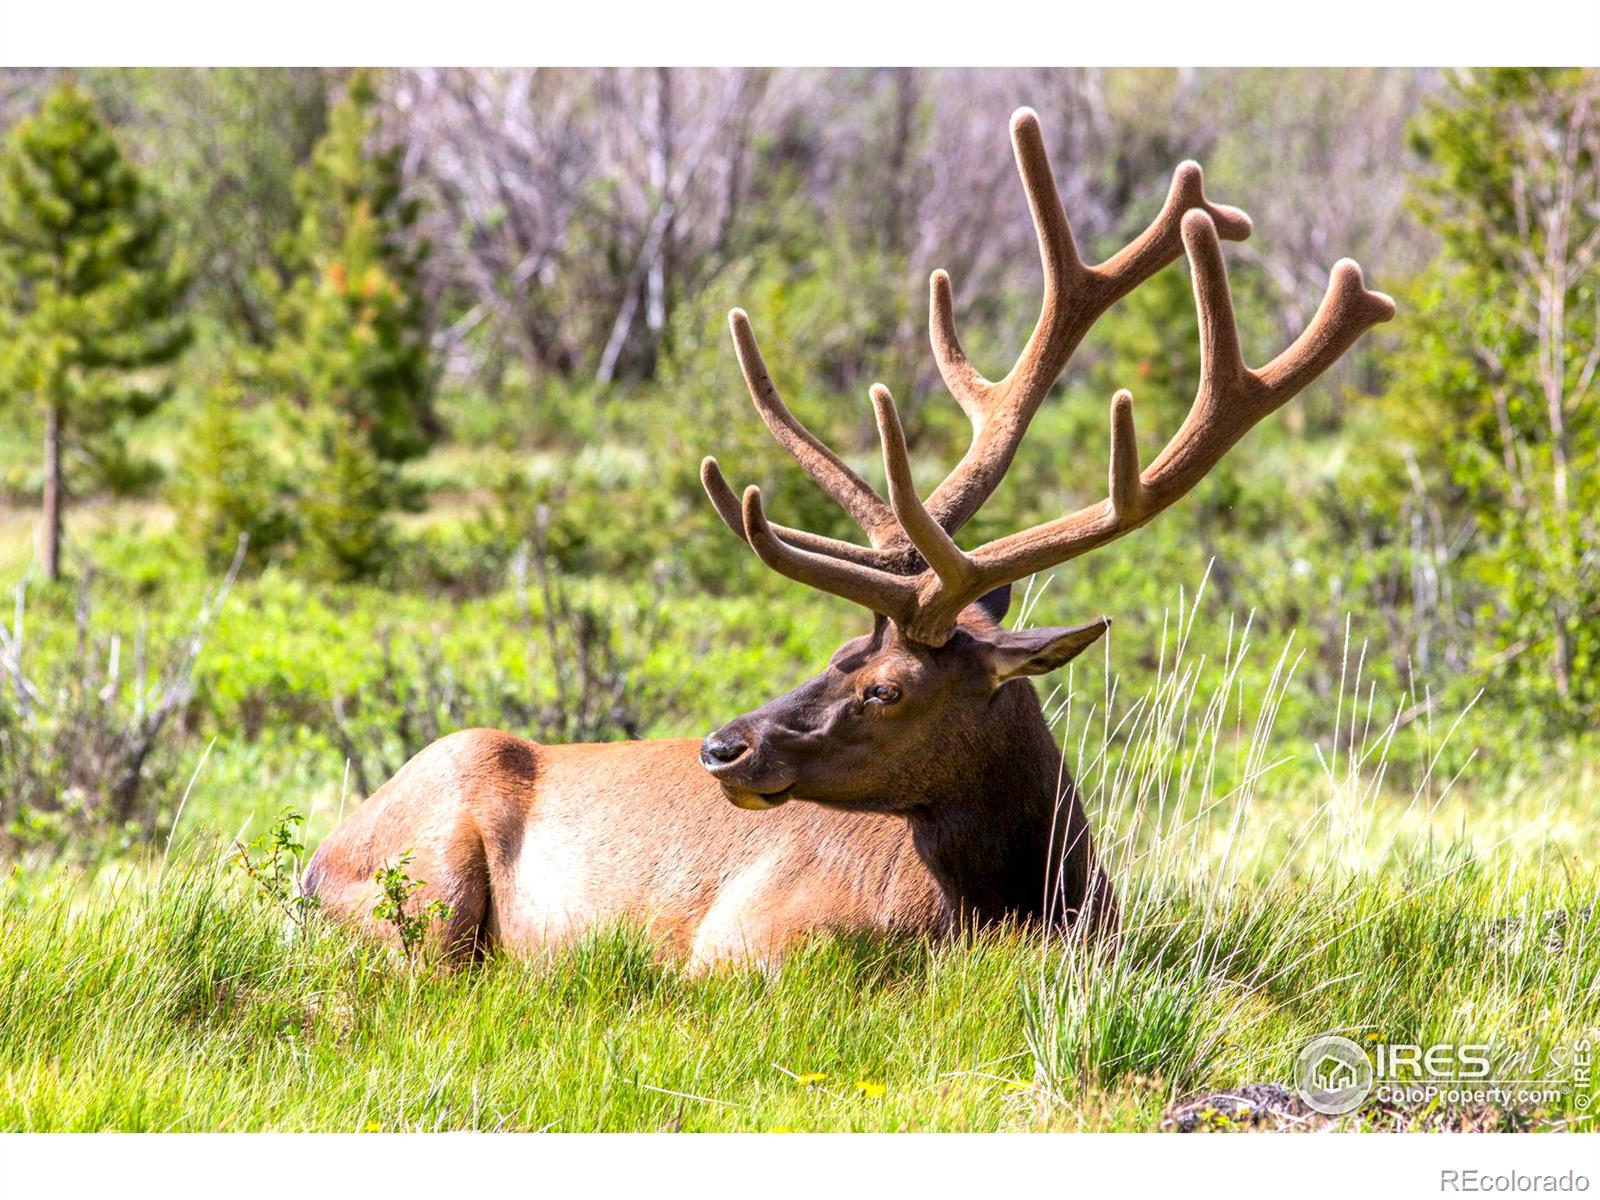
column 275, row 866
column 398, row 888
column 225, row 489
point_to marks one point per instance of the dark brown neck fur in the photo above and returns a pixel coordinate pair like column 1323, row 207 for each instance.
column 997, row 842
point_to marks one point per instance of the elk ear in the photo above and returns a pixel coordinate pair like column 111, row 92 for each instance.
column 995, row 604
column 1037, row 651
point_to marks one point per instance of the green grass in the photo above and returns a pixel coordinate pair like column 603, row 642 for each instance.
column 176, row 1001
column 181, row 1007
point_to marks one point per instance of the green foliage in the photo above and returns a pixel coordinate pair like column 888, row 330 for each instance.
column 226, row 485
column 351, row 354
column 223, row 146
column 1501, row 354
column 581, row 679
column 344, row 506
column 275, row 866
column 399, row 889
column 89, row 283
column 1110, row 1025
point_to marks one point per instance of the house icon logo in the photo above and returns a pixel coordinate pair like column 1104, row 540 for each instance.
column 1332, row 1074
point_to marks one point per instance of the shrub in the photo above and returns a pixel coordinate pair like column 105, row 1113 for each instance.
column 87, row 750
column 223, row 488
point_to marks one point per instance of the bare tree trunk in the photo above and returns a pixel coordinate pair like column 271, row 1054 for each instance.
column 906, row 96
column 654, row 251
column 658, row 282
column 52, row 493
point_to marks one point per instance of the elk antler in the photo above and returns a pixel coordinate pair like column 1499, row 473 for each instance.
column 926, row 600
column 1075, row 297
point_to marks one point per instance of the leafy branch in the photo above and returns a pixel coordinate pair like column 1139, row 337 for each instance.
column 398, row 890
column 275, row 867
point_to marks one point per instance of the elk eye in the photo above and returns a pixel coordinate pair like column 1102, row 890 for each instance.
column 882, row 693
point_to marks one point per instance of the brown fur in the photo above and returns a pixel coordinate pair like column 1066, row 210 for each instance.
column 641, row 834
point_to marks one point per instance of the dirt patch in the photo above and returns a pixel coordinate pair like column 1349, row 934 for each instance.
column 1276, row 1108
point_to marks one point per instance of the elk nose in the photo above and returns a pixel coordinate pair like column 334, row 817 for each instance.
column 721, row 748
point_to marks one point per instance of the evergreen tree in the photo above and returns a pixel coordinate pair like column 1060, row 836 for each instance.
column 88, row 292
column 351, row 354
column 343, row 510
column 226, row 485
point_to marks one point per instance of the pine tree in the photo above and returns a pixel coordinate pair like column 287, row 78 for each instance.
column 88, row 292
column 351, row 354
column 226, row 486
column 344, row 511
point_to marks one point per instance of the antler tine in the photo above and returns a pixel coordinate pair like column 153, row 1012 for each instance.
column 726, row 502
column 1124, row 486
column 1348, row 309
column 1058, row 256
column 849, row 490
column 1162, row 240
column 937, row 548
column 895, row 596
column 1075, row 296
column 1232, row 398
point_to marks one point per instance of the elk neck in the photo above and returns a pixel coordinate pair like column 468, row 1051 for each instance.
column 995, row 838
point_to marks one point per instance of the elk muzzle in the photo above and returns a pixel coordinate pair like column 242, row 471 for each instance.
column 738, row 758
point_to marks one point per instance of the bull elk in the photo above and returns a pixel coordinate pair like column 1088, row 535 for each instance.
column 914, row 784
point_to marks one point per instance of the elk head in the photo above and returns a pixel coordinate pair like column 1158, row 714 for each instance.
column 900, row 715
column 892, row 722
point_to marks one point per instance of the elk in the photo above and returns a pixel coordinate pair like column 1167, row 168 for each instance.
column 914, row 785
